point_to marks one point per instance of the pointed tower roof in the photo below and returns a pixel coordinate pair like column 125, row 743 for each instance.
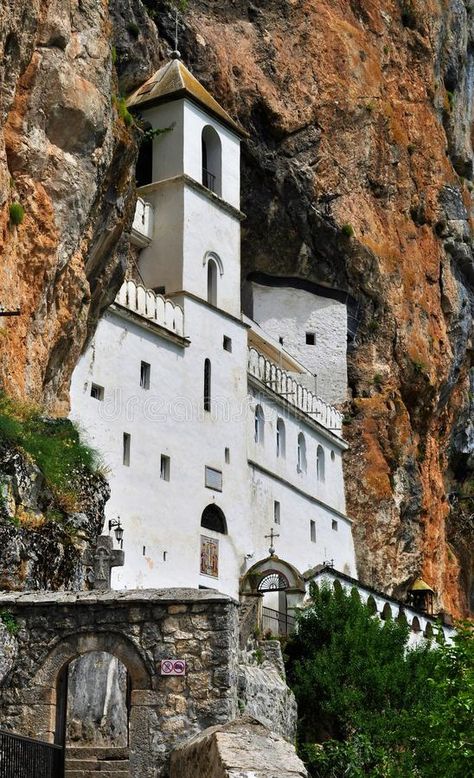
column 174, row 81
column 420, row 586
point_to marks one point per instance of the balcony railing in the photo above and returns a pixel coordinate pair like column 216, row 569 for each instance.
column 23, row 757
column 152, row 306
column 208, row 180
column 142, row 227
column 285, row 385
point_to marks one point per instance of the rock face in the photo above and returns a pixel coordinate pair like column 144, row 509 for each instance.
column 41, row 542
column 262, row 690
column 359, row 165
column 242, row 749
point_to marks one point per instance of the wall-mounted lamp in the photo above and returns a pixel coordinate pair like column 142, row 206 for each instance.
column 118, row 531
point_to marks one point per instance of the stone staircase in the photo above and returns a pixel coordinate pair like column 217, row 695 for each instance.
column 84, row 762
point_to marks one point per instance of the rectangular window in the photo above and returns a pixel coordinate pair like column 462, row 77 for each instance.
column 97, row 392
column 145, row 372
column 312, row 531
column 165, row 467
column 310, row 338
column 334, row 525
column 227, row 343
column 276, row 512
column 213, row 478
column 126, row 449
column 227, row 455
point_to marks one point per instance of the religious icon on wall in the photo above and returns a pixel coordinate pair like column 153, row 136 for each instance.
column 209, row 556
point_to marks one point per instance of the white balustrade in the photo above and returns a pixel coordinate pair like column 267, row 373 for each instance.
column 149, row 305
column 142, row 227
column 295, row 393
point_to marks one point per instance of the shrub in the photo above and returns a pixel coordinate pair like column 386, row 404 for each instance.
column 9, row 621
column 17, row 213
column 347, row 230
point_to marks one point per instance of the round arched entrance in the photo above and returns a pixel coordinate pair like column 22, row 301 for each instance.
column 281, row 589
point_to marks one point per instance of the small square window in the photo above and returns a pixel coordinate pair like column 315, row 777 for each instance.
column 213, row 478
column 227, row 343
column 97, row 392
column 276, row 512
column 334, row 525
column 127, row 440
column 165, row 467
column 227, row 456
column 312, row 531
column 145, row 372
column 310, row 338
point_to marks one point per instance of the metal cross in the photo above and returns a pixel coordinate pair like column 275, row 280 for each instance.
column 272, row 537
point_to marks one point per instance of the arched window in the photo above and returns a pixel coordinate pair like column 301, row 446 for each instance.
column 415, row 624
column 207, row 384
column 301, row 464
column 211, row 159
column 259, row 424
column 281, row 438
column 386, row 612
column 211, row 281
column 371, row 605
column 144, row 166
column 213, row 518
column 320, row 475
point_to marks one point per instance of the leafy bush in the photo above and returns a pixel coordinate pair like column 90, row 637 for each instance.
column 122, row 110
column 17, row 213
column 9, row 621
column 347, row 230
column 369, row 705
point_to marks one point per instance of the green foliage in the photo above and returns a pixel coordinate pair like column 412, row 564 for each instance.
column 122, row 110
column 9, row 621
column 347, row 230
column 378, row 379
column 54, row 445
column 17, row 213
column 368, row 705
column 451, row 99
column 114, row 55
column 259, row 656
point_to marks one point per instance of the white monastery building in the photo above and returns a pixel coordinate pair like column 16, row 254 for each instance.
column 217, row 428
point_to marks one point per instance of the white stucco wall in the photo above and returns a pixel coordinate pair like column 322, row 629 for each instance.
column 288, row 313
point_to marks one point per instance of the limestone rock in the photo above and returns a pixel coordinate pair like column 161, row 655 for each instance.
column 8, row 651
column 244, row 748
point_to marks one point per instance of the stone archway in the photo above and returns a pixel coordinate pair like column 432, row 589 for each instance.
column 53, row 676
column 279, row 588
column 141, row 628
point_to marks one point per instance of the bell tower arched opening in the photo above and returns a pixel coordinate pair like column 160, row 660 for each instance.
column 211, row 160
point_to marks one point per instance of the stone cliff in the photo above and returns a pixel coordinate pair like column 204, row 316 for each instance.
column 359, row 165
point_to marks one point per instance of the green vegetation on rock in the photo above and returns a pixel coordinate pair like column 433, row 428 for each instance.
column 369, row 705
column 17, row 213
column 53, row 444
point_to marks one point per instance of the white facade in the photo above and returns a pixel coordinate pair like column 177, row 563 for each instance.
column 168, row 389
column 294, row 316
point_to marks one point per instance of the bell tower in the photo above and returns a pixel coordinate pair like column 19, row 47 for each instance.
column 190, row 173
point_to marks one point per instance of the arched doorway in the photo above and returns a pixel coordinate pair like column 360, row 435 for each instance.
column 114, row 651
column 93, row 713
column 280, row 589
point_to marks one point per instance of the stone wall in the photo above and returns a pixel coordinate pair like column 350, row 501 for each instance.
column 140, row 628
column 244, row 748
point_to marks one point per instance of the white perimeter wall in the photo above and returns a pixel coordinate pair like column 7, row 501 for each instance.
column 290, row 313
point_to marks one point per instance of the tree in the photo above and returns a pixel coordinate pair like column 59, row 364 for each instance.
column 368, row 705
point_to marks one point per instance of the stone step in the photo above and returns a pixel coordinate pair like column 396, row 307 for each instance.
column 120, row 769
column 120, row 765
column 96, row 752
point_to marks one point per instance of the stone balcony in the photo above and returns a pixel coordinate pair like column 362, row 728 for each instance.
column 151, row 306
column 287, row 386
column 142, row 227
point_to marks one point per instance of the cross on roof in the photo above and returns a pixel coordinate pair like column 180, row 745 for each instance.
column 272, row 537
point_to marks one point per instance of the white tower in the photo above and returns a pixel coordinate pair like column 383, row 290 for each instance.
column 192, row 179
